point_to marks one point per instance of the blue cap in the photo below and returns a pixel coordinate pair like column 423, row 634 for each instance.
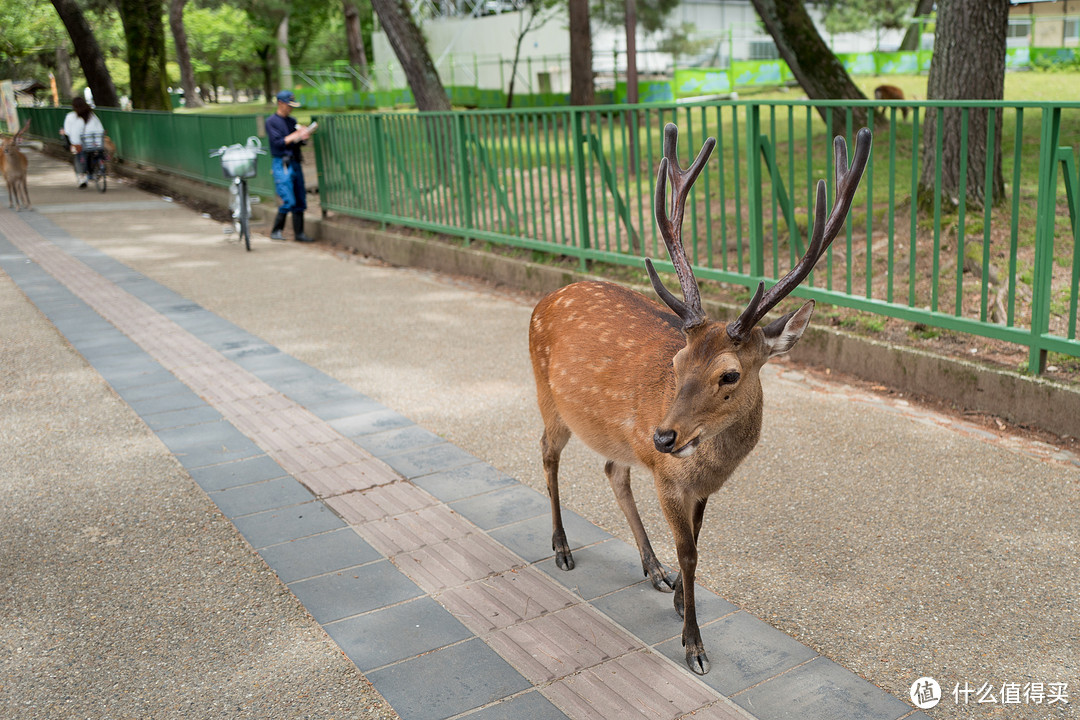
column 287, row 97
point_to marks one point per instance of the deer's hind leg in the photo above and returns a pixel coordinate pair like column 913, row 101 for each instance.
column 556, row 435
column 619, row 477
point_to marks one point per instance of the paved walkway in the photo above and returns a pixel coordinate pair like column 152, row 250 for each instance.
column 425, row 562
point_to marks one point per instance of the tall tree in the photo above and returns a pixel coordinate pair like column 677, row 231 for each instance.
column 628, row 15
column 89, row 53
column 145, row 35
column 968, row 64
column 860, row 15
column 63, row 72
column 355, row 37
column 536, row 14
column 631, row 52
column 411, row 51
column 183, row 54
column 284, row 64
column 226, row 45
column 813, row 64
column 582, row 91
column 914, row 31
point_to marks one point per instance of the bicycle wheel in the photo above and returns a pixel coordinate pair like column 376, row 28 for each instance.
column 243, row 223
column 99, row 174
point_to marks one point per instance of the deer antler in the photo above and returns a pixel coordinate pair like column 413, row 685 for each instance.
column 847, row 181
column 689, row 309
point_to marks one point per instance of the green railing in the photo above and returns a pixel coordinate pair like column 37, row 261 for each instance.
column 175, row 143
column 579, row 183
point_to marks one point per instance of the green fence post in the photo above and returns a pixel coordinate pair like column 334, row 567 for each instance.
column 581, row 194
column 464, row 172
column 755, row 234
column 1045, row 214
column 382, row 178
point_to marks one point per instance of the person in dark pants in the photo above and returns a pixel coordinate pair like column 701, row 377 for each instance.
column 286, row 138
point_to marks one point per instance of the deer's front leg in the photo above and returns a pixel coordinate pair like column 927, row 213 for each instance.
column 683, row 516
column 619, row 477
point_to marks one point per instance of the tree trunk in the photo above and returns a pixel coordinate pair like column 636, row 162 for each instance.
column 89, row 53
column 284, row 64
column 183, row 55
column 632, row 86
column 968, row 64
column 812, row 63
column 411, row 52
column 145, row 36
column 523, row 30
column 427, row 88
column 265, row 65
column 631, row 52
column 63, row 73
column 911, row 37
column 513, row 68
column 355, row 39
column 581, row 72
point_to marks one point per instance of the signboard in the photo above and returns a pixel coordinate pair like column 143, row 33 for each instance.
column 8, row 112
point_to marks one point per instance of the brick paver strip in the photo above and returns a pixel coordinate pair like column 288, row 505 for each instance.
column 504, row 600
column 553, row 646
column 582, row 661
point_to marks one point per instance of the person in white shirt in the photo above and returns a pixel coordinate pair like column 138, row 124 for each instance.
column 79, row 123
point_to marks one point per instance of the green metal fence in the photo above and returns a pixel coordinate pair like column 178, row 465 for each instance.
column 175, row 143
column 579, row 183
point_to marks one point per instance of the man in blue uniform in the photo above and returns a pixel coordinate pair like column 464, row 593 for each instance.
column 285, row 138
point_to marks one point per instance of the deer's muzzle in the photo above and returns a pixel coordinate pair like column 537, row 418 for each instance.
column 667, row 441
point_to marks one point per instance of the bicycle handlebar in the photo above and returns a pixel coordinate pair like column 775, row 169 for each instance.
column 253, row 143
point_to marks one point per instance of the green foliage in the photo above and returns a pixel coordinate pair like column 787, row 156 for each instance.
column 864, row 323
column 30, row 30
column 924, row 332
column 680, row 42
column 224, row 42
column 310, row 29
column 1044, row 63
column 118, row 69
column 651, row 14
column 858, row 15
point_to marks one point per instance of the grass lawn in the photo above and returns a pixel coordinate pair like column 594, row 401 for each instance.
column 977, row 266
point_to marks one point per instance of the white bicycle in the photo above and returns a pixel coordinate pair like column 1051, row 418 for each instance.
column 238, row 163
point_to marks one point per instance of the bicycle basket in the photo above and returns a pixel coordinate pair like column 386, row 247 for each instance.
column 93, row 141
column 239, row 161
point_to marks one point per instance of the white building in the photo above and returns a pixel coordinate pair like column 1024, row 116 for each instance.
column 472, row 43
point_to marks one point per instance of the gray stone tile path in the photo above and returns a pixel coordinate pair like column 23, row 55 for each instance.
column 428, row 567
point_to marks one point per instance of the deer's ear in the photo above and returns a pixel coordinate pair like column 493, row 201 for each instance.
column 782, row 334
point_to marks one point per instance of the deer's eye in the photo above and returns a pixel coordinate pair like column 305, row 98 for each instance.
column 729, row 378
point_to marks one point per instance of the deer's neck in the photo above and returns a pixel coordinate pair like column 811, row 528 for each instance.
column 718, row 456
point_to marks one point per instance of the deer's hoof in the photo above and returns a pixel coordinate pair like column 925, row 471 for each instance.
column 563, row 558
column 697, row 661
column 661, row 578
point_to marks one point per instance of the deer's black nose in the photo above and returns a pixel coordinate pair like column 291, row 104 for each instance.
column 664, row 440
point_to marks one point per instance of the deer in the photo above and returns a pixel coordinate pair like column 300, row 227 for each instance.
column 13, row 164
column 668, row 389
column 890, row 92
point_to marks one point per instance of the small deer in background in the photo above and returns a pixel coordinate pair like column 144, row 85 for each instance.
column 13, row 164
column 890, row 92
column 678, row 394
